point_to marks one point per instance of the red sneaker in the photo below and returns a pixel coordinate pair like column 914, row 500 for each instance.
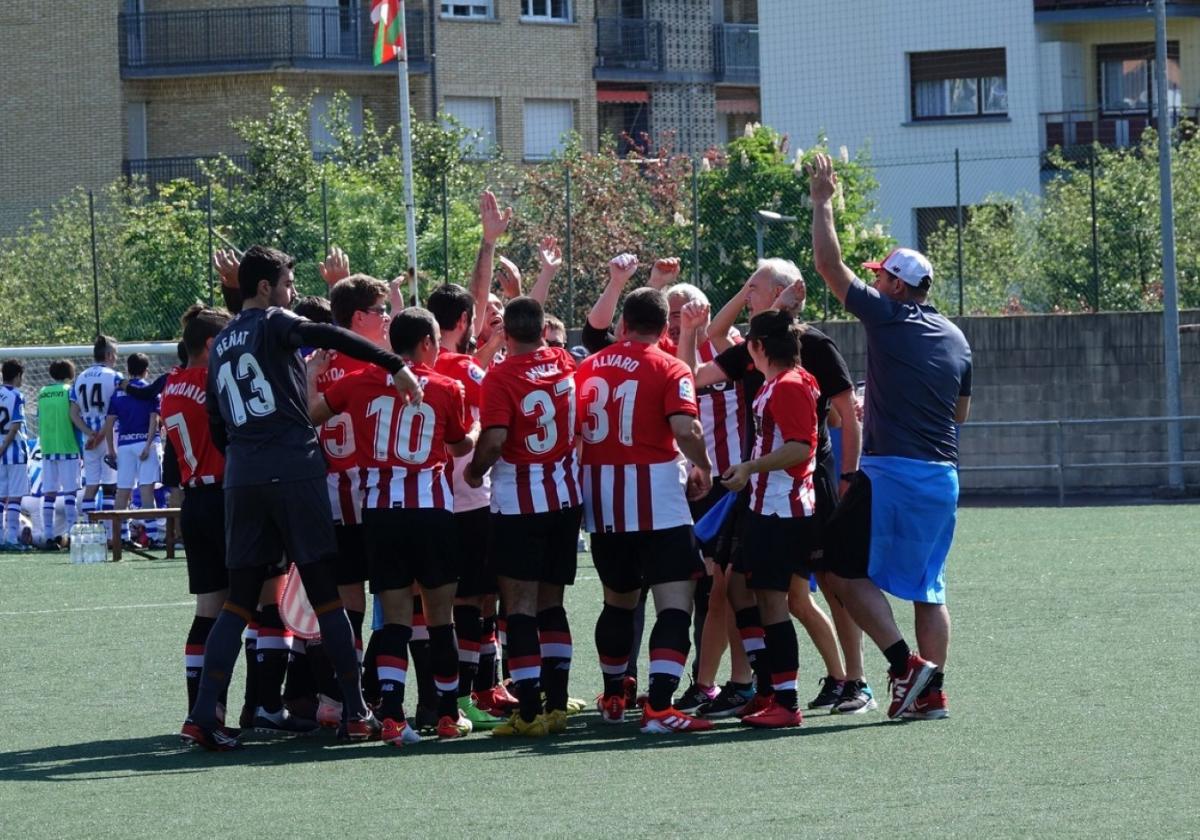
column 774, row 716
column 218, row 739
column 932, row 706
column 671, row 720
column 907, row 686
column 453, row 726
column 497, row 700
column 398, row 732
column 612, row 708
column 360, row 729
column 757, row 704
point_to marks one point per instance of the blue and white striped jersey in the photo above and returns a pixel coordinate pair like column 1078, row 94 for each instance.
column 12, row 410
column 94, row 389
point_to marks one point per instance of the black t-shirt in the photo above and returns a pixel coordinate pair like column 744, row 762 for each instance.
column 818, row 355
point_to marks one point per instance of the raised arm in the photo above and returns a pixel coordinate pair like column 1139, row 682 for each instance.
column 335, row 268
column 663, row 273
column 305, row 333
column 226, row 263
column 621, row 269
column 510, row 278
column 693, row 319
column 723, row 321
column 495, row 223
column 550, row 258
column 827, row 251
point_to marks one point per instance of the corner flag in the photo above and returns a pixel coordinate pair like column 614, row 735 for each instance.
column 388, row 17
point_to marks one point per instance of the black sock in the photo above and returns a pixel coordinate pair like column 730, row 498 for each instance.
column 300, row 683
column 468, row 627
column 322, row 671
column 754, row 643
column 668, row 653
column 370, row 678
column 220, row 655
column 502, row 640
column 897, row 657
column 936, row 683
column 274, row 643
column 418, row 655
column 443, row 655
column 635, row 641
column 251, row 693
column 193, row 654
column 783, row 654
column 554, row 633
column 699, row 614
column 356, row 625
column 614, row 638
column 485, row 674
column 526, row 663
column 390, row 643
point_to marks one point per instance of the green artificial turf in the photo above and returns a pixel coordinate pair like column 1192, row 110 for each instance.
column 1071, row 681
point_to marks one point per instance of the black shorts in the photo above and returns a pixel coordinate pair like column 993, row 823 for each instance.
column 847, row 534
column 773, row 549
column 728, row 543
column 170, row 466
column 635, row 559
column 825, row 485
column 540, row 547
column 202, row 525
column 351, row 565
column 476, row 574
column 410, row 544
column 703, row 506
column 263, row 522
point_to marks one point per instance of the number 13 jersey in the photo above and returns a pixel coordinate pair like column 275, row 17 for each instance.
column 634, row 478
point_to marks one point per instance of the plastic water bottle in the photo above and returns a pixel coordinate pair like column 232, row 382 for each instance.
column 77, row 539
column 97, row 545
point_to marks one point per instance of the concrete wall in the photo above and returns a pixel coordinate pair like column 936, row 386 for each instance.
column 1051, row 367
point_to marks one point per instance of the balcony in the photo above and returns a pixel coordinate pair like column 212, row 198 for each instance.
column 628, row 49
column 1082, row 128
column 206, row 41
column 1089, row 11
column 735, row 48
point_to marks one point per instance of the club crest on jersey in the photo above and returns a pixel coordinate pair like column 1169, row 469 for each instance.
column 476, row 373
column 687, row 391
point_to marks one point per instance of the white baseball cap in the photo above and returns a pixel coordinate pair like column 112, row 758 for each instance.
column 910, row 266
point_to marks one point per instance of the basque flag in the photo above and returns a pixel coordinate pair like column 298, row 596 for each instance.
column 388, row 17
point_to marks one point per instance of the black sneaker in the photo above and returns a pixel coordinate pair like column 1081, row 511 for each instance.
column 729, row 701
column 829, row 695
column 856, row 699
column 282, row 722
column 425, row 719
column 695, row 695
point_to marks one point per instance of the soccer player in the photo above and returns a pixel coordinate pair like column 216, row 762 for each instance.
column 137, row 451
column 408, row 512
column 60, row 429
column 14, row 454
column 528, row 443
column 94, row 390
column 275, row 498
column 635, row 403
column 778, row 536
column 453, row 308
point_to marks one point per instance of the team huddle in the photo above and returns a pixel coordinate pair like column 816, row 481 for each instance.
column 447, row 457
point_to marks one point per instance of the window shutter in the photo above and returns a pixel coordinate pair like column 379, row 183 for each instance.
column 956, row 64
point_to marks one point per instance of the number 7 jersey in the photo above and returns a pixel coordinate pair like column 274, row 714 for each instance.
column 634, row 478
column 533, row 396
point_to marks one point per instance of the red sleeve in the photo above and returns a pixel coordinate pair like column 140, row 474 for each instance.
column 496, row 409
column 338, row 394
column 679, row 394
column 472, row 381
column 456, row 427
column 794, row 407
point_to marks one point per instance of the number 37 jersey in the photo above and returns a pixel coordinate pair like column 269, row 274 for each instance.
column 634, row 478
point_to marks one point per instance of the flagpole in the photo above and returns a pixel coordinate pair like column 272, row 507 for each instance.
column 410, row 210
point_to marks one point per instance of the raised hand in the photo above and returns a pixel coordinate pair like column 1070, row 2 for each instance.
column 822, row 180
column 622, row 267
column 791, row 299
column 510, row 278
column 226, row 263
column 549, row 254
column 694, row 316
column 336, row 266
column 664, row 272
column 495, row 222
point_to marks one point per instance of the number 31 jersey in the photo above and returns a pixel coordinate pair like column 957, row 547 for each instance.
column 533, row 396
column 634, row 478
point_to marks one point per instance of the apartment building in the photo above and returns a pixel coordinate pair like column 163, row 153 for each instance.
column 998, row 82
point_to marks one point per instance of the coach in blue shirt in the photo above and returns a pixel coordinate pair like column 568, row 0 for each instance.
column 894, row 527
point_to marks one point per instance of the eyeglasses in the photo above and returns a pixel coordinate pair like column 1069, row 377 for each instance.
column 555, row 343
column 381, row 309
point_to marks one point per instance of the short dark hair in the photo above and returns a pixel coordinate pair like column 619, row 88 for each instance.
column 524, row 320
column 314, row 308
column 137, row 364
column 645, row 312
column 62, row 369
column 778, row 333
column 200, row 323
column 261, row 263
column 355, row 294
column 181, row 352
column 408, row 327
column 12, row 369
column 448, row 303
column 103, row 346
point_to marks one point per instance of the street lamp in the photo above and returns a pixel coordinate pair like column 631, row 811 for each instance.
column 762, row 218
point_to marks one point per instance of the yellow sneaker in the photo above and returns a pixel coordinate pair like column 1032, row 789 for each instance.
column 556, row 721
column 517, row 726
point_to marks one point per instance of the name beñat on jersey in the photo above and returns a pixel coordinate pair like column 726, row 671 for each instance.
column 234, row 339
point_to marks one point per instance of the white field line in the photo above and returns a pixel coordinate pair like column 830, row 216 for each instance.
column 98, row 609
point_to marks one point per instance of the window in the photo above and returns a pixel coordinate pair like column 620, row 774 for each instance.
column 479, row 115
column 557, row 10
column 135, row 129
column 546, row 123
column 958, row 83
column 322, row 138
column 467, row 10
column 1126, row 78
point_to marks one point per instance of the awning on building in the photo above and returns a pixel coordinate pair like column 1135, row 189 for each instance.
column 623, row 97
column 737, row 106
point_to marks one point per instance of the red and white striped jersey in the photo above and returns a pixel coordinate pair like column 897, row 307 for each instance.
column 185, row 420
column 402, row 448
column 634, row 478
column 336, row 435
column 533, row 396
column 463, row 369
column 785, row 410
column 722, row 408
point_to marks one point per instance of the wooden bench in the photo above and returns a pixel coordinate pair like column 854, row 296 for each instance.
column 116, row 517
